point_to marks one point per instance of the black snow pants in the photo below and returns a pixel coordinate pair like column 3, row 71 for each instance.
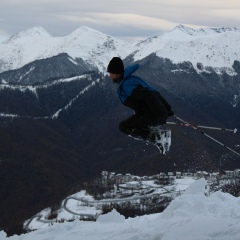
column 137, row 126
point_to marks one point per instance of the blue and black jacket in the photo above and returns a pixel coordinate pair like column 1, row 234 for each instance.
column 142, row 98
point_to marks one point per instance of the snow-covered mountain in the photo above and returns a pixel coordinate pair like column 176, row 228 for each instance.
column 211, row 47
column 90, row 45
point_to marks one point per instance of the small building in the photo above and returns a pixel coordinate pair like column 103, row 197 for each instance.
column 229, row 174
column 104, row 175
column 178, row 174
column 127, row 177
column 133, row 185
column 136, row 178
column 119, row 179
column 188, row 174
column 162, row 174
column 215, row 174
column 237, row 173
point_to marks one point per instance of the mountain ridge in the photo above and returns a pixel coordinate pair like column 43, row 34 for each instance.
column 205, row 31
column 211, row 47
column 90, row 45
column 215, row 50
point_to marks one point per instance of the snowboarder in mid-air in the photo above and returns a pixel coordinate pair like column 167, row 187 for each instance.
column 151, row 109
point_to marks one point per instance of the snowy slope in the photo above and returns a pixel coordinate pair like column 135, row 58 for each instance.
column 191, row 216
column 90, row 45
column 214, row 47
column 34, row 90
column 72, row 207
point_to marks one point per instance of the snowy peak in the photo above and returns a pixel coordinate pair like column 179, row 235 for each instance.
column 30, row 33
column 36, row 31
column 87, row 37
column 184, row 29
column 216, row 48
column 94, row 47
column 91, row 46
column 84, row 31
column 181, row 33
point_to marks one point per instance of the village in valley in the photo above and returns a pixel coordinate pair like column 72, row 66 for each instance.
column 130, row 195
column 167, row 178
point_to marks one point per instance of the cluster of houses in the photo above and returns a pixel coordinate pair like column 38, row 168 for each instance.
column 164, row 178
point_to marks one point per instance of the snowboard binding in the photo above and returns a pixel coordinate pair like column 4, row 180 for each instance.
column 161, row 138
column 163, row 141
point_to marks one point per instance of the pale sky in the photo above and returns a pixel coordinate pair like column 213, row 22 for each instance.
column 124, row 19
